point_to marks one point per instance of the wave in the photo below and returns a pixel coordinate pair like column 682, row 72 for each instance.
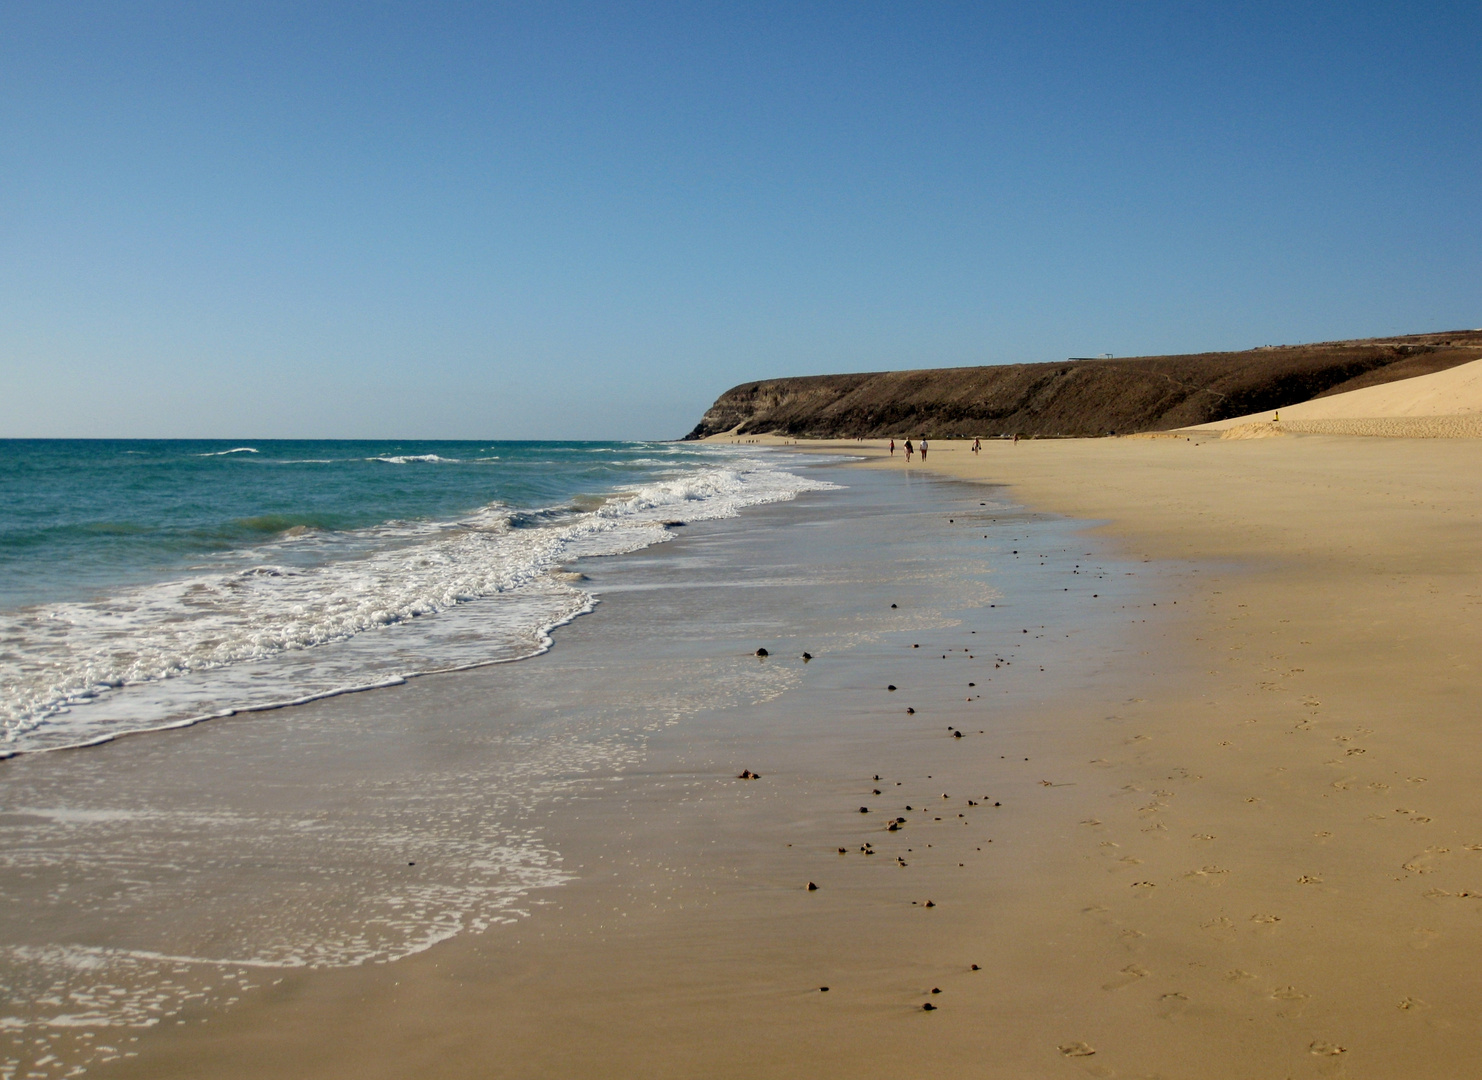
column 272, row 632
column 235, row 450
column 408, row 459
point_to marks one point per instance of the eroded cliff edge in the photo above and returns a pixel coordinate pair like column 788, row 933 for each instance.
column 1077, row 398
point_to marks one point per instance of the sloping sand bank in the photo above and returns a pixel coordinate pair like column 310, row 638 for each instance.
column 1446, row 404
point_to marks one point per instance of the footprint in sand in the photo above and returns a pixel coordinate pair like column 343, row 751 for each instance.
column 1409, row 1004
column 1171, row 1005
column 1266, row 920
column 1424, row 937
column 1221, row 928
column 1288, row 993
column 1126, row 977
column 1425, row 862
column 1238, row 975
column 1076, row 1050
column 1320, row 1048
column 1206, row 873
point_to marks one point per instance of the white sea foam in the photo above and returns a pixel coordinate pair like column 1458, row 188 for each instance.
column 404, row 598
column 236, row 450
column 409, row 459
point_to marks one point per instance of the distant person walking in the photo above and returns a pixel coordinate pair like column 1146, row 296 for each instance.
column 1016, row 438
column 923, row 448
column 977, row 445
column 909, row 449
column 892, row 448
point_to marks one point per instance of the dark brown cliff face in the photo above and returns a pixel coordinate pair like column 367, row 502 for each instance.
column 1077, row 398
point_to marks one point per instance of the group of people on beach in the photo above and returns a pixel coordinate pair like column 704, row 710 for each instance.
column 911, row 449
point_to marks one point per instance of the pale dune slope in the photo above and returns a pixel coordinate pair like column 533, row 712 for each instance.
column 1454, row 392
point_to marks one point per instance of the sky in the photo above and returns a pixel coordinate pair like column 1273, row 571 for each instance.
column 587, row 220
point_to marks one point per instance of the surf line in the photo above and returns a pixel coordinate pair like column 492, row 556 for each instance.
column 545, row 645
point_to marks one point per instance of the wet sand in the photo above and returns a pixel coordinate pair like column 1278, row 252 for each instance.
column 685, row 940
column 1245, row 840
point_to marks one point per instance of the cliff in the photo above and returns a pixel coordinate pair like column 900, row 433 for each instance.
column 1077, row 398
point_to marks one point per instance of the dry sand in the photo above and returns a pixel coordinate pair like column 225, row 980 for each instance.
column 1249, row 846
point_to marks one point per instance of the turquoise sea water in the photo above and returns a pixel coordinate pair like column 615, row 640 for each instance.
column 148, row 583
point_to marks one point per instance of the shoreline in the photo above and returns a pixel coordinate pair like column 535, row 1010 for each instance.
column 1246, row 826
column 682, row 886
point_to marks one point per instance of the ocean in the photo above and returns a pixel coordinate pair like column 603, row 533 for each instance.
column 149, row 584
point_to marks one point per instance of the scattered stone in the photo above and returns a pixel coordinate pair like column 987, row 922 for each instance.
column 747, row 774
column 764, row 652
column 936, row 989
column 864, row 809
column 842, row 852
column 956, row 734
column 893, row 605
column 929, row 1007
column 807, row 656
column 823, row 989
column 975, row 967
column 891, row 686
column 910, row 711
column 812, row 887
column 930, row 904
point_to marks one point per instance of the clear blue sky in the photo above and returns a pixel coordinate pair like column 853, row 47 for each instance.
column 587, row 220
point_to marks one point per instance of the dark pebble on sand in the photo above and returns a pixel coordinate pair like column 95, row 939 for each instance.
column 864, row 809
column 893, row 605
column 812, row 887
column 910, row 712
column 929, row 1007
column 956, row 734
column 975, row 968
column 764, row 652
column 890, row 687
column 823, row 989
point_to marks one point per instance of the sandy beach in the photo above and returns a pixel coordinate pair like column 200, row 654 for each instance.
column 1181, row 738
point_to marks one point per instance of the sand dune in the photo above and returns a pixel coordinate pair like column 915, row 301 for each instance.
column 1444, row 404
